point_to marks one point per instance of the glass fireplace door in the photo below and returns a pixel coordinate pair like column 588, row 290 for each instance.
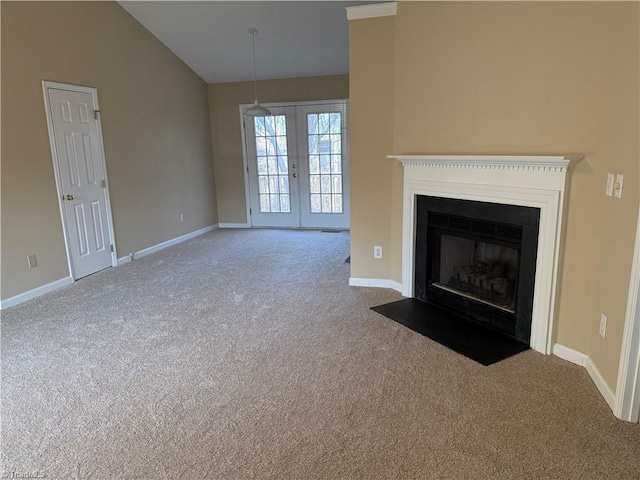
column 486, row 272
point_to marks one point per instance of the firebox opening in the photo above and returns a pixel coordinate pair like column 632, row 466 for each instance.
column 476, row 260
column 479, row 270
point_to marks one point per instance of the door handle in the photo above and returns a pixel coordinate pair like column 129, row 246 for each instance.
column 70, row 197
column 295, row 175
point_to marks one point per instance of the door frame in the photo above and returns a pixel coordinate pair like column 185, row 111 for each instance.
column 627, row 400
column 245, row 161
column 56, row 166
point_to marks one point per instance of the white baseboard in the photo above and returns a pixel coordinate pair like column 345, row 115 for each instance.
column 583, row 360
column 63, row 282
column 596, row 376
column 169, row 243
column 234, row 225
column 36, row 292
column 570, row 355
column 376, row 283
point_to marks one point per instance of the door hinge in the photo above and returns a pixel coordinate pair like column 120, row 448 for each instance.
column 95, row 114
column 104, row 184
column 247, row 168
column 111, row 248
column 250, row 212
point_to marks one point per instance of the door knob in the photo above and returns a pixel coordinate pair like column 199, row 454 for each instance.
column 293, row 166
column 295, row 175
column 70, row 197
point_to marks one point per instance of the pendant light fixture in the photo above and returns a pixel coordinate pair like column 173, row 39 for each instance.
column 257, row 110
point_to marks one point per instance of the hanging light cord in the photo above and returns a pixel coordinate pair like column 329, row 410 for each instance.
column 253, row 33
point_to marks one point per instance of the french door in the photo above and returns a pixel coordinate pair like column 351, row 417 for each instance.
column 298, row 166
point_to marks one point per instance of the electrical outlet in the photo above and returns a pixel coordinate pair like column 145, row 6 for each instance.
column 603, row 325
column 617, row 187
column 182, row 217
column 32, row 262
column 609, row 190
column 377, row 251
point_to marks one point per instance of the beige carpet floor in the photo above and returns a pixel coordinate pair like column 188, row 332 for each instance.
column 245, row 354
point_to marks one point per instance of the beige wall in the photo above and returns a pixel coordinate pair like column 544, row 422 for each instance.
column 155, row 126
column 371, row 78
column 515, row 78
column 224, row 101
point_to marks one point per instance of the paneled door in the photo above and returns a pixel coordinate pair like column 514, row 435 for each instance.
column 298, row 166
column 80, row 173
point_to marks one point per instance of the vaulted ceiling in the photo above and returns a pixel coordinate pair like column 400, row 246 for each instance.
column 295, row 39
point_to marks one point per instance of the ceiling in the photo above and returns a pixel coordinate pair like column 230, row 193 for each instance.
column 295, row 39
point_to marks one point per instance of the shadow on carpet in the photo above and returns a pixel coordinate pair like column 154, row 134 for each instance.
column 467, row 338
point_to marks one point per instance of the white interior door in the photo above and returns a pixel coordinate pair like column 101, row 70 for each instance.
column 297, row 164
column 77, row 152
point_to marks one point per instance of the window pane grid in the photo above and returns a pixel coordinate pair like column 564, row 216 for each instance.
column 273, row 164
column 325, row 161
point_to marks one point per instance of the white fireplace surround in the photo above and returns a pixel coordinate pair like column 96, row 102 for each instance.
column 531, row 181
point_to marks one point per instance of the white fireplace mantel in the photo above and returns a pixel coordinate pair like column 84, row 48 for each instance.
column 532, row 181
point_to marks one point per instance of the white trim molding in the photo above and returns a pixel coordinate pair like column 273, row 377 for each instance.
column 570, row 355
column 36, row 292
column 491, row 162
column 585, row 361
column 598, row 379
column 63, row 282
column 627, row 406
column 531, row 181
column 358, row 12
column 376, row 283
column 234, row 225
column 169, row 243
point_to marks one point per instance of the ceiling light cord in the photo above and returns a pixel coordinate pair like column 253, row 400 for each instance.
column 257, row 110
column 253, row 33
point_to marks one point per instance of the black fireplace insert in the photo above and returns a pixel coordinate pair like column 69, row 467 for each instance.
column 477, row 260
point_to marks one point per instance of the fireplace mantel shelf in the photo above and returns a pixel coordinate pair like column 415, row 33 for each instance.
column 508, row 162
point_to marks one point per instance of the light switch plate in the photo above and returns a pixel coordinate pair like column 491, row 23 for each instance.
column 617, row 187
column 32, row 262
column 603, row 325
column 609, row 190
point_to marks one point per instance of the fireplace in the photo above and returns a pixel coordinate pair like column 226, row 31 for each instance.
column 535, row 182
column 477, row 260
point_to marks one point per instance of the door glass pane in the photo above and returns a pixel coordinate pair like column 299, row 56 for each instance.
column 259, row 123
column 312, row 123
column 262, row 166
column 336, row 164
column 325, row 157
column 283, row 165
column 282, row 144
column 263, row 184
column 261, row 146
column 284, row 203
column 334, row 123
column 314, row 183
column 273, row 163
column 325, row 164
column 314, row 164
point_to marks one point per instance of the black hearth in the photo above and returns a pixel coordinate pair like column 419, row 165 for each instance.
column 476, row 260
